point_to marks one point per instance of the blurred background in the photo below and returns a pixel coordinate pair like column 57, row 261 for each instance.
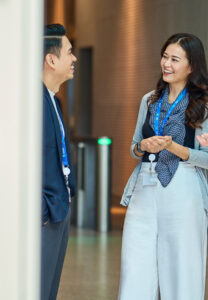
column 117, row 44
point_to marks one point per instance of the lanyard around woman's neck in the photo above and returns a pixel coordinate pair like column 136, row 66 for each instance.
column 159, row 131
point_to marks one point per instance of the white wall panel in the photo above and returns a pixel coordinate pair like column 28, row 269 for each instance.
column 20, row 148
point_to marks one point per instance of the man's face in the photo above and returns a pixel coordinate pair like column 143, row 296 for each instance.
column 64, row 64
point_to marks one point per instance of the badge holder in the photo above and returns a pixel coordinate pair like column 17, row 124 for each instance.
column 66, row 172
column 150, row 178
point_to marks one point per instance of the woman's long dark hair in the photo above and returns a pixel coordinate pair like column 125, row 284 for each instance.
column 197, row 82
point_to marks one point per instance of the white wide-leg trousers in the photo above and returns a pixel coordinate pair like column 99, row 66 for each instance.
column 165, row 240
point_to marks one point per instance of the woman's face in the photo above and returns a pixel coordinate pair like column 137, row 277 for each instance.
column 175, row 65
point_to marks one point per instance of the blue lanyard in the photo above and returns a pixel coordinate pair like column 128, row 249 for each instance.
column 64, row 153
column 157, row 115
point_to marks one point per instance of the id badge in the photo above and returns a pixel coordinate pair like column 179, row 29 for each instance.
column 149, row 179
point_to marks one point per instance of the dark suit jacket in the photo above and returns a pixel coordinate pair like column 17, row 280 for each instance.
column 55, row 197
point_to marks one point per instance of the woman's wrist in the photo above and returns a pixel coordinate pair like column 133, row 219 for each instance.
column 170, row 146
column 138, row 151
column 179, row 150
column 140, row 147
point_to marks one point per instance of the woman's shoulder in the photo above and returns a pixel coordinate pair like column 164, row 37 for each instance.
column 146, row 97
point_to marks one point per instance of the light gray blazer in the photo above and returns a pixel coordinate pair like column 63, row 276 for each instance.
column 198, row 156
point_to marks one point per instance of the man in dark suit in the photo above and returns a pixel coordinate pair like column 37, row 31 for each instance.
column 57, row 179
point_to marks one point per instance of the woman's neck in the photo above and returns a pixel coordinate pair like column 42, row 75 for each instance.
column 174, row 91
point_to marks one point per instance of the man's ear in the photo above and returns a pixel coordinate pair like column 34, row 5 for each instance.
column 50, row 60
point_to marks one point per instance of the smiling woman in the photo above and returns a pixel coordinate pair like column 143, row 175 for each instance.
column 175, row 68
column 165, row 229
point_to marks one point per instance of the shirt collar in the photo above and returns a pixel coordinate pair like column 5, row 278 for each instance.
column 52, row 94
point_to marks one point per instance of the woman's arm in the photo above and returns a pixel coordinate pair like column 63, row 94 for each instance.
column 138, row 136
column 197, row 157
column 179, row 150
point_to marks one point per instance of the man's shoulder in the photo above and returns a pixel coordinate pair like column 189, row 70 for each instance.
column 44, row 88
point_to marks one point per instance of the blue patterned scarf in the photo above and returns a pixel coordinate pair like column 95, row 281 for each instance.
column 168, row 162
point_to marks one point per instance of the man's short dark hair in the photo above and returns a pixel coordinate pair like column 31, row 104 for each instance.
column 53, row 34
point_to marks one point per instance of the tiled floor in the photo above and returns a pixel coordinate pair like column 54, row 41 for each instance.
column 92, row 267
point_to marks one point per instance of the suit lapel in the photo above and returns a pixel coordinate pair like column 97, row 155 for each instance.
column 55, row 122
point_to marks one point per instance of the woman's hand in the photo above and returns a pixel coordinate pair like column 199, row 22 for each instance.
column 203, row 139
column 166, row 142
column 155, row 144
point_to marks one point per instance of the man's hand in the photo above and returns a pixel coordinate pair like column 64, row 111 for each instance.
column 45, row 223
column 203, row 139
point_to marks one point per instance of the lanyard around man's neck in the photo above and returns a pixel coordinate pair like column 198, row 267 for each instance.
column 65, row 162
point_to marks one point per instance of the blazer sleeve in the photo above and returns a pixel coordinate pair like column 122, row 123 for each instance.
column 140, row 121
column 199, row 157
column 45, row 211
